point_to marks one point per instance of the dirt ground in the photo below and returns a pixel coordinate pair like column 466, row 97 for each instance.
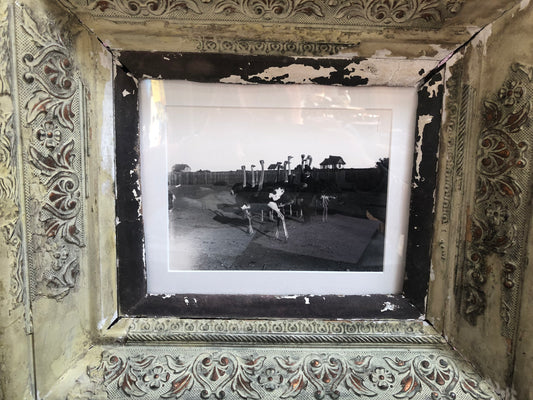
column 208, row 231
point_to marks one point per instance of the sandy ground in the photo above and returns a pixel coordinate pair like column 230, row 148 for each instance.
column 208, row 231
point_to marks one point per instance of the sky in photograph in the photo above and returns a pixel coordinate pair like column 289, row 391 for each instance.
column 219, row 127
column 224, row 138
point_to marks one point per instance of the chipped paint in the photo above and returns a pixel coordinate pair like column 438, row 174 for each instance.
column 125, row 93
column 390, row 72
column 524, row 4
column 388, row 306
column 295, row 73
column 423, row 120
column 433, row 88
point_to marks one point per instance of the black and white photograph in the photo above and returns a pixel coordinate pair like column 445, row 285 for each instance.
column 267, row 188
column 259, row 188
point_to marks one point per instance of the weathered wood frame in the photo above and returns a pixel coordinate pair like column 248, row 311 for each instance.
column 304, row 358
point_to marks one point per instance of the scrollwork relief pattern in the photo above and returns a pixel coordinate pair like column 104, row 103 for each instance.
column 268, row 47
column 500, row 216
column 419, row 13
column 50, row 113
column 278, row 331
column 266, row 374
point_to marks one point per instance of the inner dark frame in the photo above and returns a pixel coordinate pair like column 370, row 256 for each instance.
column 133, row 298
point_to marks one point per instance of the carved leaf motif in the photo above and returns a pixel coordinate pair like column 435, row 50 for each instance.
column 183, row 382
column 296, row 382
column 64, row 280
column 388, row 11
column 59, row 161
column 410, row 384
column 187, row 5
column 269, row 9
column 125, row 373
column 493, row 114
column 355, row 378
column 471, row 386
column 43, row 102
column 30, row 26
column 515, row 120
column 438, row 373
column 242, row 383
column 140, row 7
column 62, row 204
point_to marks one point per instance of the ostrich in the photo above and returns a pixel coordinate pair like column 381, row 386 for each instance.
column 309, row 160
column 253, row 175
column 274, row 204
column 261, row 201
column 238, row 187
column 325, row 204
column 288, row 170
column 262, row 176
column 277, row 170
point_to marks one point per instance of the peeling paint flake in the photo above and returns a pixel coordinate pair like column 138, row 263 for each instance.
column 423, row 120
column 390, row 72
column 125, row 93
column 524, row 4
column 388, row 306
column 294, row 73
column 433, row 88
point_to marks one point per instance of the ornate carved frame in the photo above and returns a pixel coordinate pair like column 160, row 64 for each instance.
column 44, row 148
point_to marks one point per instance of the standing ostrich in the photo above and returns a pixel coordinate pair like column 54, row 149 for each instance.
column 277, row 170
column 275, row 205
column 238, row 187
column 289, row 158
column 262, row 176
column 309, row 160
column 253, row 175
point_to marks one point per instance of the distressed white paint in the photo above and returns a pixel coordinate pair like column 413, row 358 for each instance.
column 433, row 89
column 391, row 72
column 423, row 120
column 524, row 4
column 295, row 73
column 388, row 306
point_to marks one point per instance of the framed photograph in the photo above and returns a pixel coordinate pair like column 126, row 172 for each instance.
column 274, row 189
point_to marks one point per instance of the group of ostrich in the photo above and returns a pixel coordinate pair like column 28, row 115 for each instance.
column 286, row 189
